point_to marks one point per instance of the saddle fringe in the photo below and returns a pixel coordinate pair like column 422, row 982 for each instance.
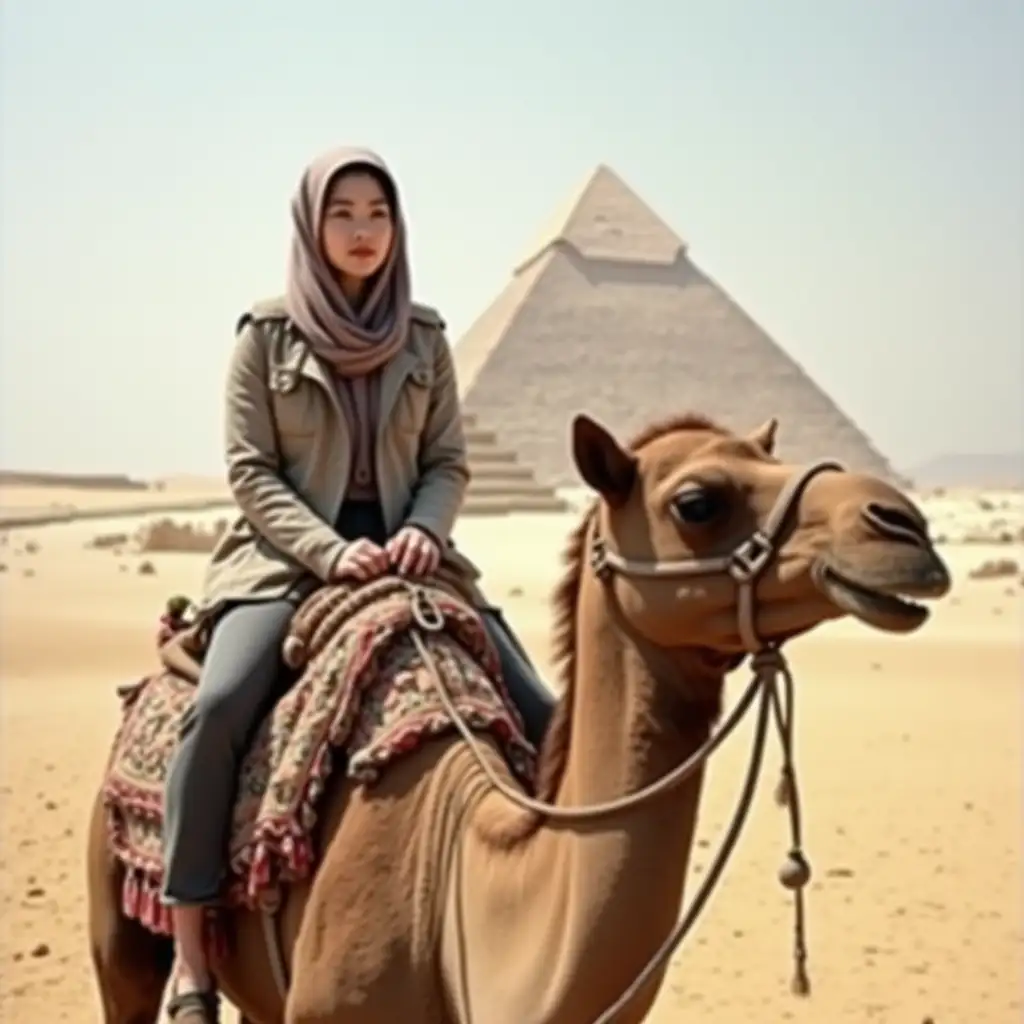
column 281, row 850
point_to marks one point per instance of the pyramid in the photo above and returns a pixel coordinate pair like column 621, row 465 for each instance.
column 609, row 315
column 500, row 484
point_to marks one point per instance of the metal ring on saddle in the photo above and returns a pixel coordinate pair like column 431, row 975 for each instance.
column 425, row 611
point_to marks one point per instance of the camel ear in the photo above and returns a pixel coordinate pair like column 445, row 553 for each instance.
column 764, row 436
column 603, row 463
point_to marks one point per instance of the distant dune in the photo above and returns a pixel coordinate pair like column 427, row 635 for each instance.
column 993, row 469
column 48, row 498
column 83, row 481
column 191, row 482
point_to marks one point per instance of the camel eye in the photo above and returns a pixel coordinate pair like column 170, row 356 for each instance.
column 697, row 506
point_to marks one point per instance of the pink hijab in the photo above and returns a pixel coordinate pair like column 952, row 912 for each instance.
column 354, row 343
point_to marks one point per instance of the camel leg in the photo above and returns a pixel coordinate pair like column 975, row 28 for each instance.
column 132, row 965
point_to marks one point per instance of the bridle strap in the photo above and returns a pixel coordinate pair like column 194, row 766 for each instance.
column 745, row 564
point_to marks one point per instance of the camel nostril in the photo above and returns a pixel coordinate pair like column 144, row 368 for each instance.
column 896, row 523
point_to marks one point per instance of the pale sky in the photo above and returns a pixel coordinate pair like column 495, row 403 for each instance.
column 849, row 170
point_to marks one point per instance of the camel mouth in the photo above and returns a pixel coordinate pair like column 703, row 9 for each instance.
column 889, row 610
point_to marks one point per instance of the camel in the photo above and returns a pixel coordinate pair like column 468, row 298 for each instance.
column 439, row 898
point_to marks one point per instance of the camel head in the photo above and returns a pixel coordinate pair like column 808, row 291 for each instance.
column 707, row 540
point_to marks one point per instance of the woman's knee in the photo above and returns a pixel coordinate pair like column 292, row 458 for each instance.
column 228, row 710
column 241, row 672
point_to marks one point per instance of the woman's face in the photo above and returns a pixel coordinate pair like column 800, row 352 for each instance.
column 358, row 227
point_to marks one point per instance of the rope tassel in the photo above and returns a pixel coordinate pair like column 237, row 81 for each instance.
column 783, row 791
column 795, row 873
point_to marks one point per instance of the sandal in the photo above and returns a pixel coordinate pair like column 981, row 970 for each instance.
column 194, row 1008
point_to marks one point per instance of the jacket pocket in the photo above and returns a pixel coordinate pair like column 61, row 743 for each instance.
column 295, row 408
column 413, row 404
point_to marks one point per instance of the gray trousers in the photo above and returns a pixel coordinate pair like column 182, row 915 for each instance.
column 242, row 678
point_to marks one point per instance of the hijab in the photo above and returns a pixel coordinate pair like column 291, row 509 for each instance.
column 354, row 343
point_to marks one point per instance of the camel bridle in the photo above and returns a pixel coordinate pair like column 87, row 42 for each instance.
column 745, row 565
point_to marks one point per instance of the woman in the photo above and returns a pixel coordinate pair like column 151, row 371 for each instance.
column 347, row 459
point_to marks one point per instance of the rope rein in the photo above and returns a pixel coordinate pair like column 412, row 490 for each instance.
column 763, row 690
column 324, row 613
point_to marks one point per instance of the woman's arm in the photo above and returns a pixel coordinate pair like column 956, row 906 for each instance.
column 271, row 505
column 444, row 465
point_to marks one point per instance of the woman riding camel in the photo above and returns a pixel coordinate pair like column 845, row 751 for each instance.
column 346, row 456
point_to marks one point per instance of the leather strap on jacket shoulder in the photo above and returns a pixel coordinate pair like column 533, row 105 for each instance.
column 427, row 316
column 274, row 311
column 267, row 311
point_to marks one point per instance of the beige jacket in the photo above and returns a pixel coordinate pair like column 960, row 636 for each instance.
column 289, row 459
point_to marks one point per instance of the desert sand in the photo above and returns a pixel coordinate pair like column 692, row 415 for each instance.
column 909, row 750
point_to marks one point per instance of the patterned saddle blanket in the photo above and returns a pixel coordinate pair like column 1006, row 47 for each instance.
column 363, row 691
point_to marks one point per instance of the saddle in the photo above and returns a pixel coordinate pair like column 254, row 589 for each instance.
column 361, row 690
column 182, row 644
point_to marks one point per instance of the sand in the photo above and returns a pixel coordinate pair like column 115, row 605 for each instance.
column 910, row 752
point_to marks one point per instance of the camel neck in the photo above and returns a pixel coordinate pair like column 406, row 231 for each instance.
column 637, row 715
column 609, row 891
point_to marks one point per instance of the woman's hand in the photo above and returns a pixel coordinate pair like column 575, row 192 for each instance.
column 361, row 560
column 413, row 552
